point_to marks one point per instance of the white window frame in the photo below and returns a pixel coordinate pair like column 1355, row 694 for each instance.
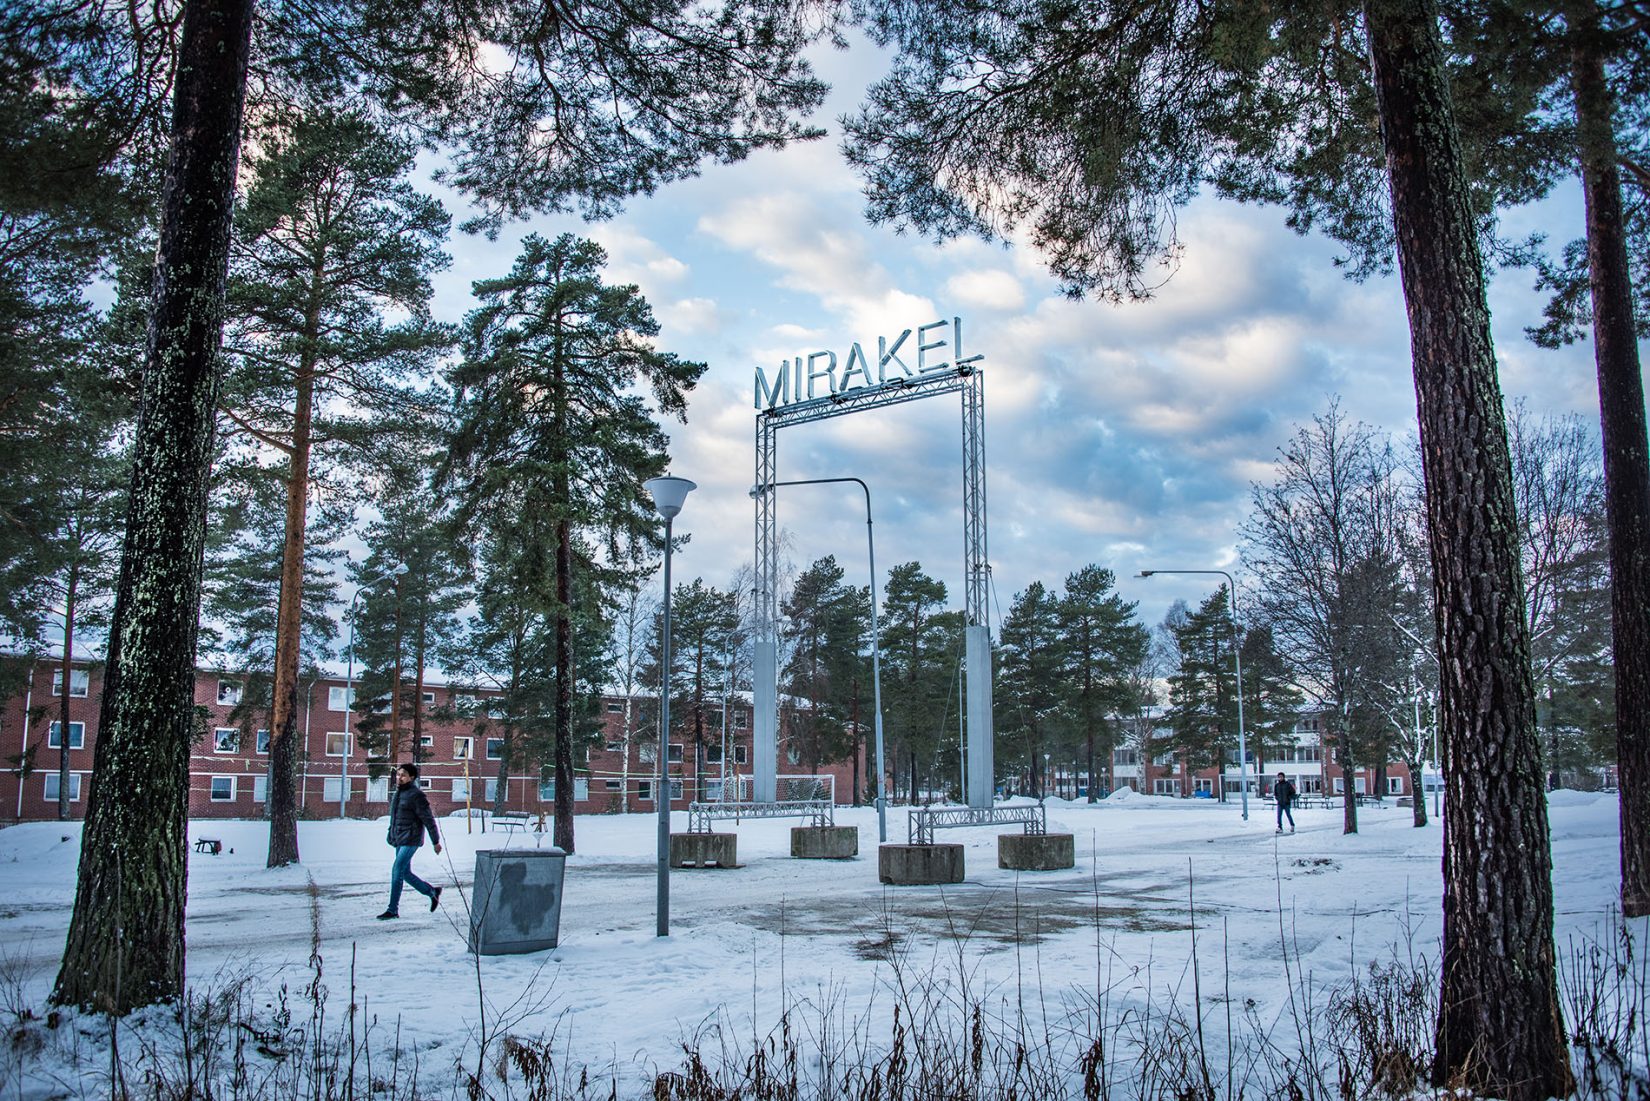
column 615, row 709
column 1359, row 783
column 461, row 789
column 489, row 790
column 80, row 683
column 613, row 785
column 348, row 743
column 77, row 735
column 212, row 788
column 676, row 791
column 713, row 753
column 230, row 693
column 338, row 694
column 1166, row 785
column 674, row 751
column 226, row 739
column 644, row 790
column 464, row 747
column 378, row 791
column 547, row 790
column 1394, row 785
column 428, row 698
column 330, row 788
column 260, row 741
column 1340, row 785
column 1207, row 783
column 426, row 741
column 491, row 756
column 52, row 789
column 260, row 788
column 741, row 755
column 741, row 720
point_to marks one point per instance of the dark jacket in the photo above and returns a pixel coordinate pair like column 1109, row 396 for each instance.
column 1284, row 792
column 410, row 816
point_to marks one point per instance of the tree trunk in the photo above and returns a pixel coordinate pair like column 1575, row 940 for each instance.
column 501, row 784
column 125, row 944
column 283, row 723
column 859, row 739
column 63, row 775
column 564, row 691
column 1499, row 1031
column 1417, row 790
column 1626, row 465
column 395, row 690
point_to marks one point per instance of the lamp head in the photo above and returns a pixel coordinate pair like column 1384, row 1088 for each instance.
column 669, row 493
column 401, row 569
column 1146, row 573
column 757, row 491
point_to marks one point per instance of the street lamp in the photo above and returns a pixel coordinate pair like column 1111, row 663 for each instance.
column 668, row 495
column 1237, row 663
column 876, row 637
column 400, row 570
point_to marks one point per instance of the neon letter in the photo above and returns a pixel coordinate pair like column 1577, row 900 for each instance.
column 887, row 355
column 924, row 346
column 828, row 374
column 856, row 354
column 777, row 394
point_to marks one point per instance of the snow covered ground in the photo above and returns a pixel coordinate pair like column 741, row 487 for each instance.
column 745, row 942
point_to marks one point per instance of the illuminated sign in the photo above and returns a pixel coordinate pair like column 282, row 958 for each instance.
column 816, row 374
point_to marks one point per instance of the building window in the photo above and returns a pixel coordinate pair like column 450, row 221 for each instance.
column 53, row 789
column 614, row 745
column 740, row 753
column 378, row 791
column 793, row 754
column 1394, row 785
column 338, row 745
column 615, row 709
column 1163, row 786
column 461, row 789
column 613, row 785
column 80, row 682
column 77, row 736
column 1208, row 785
column 429, row 699
column 648, row 753
column 489, row 789
column 229, row 693
column 675, row 757
column 223, row 789
column 331, row 786
column 675, row 789
column 1125, row 757
column 260, row 789
column 713, row 754
column 262, row 737
column 1340, row 785
column 426, row 741
column 464, row 748
column 226, row 739
column 741, row 720
column 644, row 790
column 495, row 749
column 1358, row 785
column 340, row 699
column 713, row 791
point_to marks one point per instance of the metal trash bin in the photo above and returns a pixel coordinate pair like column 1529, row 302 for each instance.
column 515, row 905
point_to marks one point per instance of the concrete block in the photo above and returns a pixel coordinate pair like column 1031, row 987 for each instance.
column 516, row 903
column 824, row 842
column 1036, row 852
column 904, row 865
column 703, row 850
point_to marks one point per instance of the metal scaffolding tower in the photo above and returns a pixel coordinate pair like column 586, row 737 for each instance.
column 969, row 381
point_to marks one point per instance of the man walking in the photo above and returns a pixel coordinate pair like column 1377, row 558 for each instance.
column 409, row 817
column 1283, row 791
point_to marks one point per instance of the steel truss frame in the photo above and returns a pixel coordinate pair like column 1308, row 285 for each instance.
column 969, row 381
column 925, row 820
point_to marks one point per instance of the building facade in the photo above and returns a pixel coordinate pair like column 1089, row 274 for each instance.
column 459, row 754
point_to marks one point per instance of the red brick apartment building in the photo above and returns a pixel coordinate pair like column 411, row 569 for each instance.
column 229, row 767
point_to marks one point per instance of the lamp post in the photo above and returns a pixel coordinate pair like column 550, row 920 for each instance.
column 400, row 570
column 1237, row 664
column 668, row 495
column 876, row 637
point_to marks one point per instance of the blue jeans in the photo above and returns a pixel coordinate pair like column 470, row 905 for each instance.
column 1282, row 810
column 402, row 872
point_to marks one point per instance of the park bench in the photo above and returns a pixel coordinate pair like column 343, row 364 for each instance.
column 513, row 820
column 208, row 845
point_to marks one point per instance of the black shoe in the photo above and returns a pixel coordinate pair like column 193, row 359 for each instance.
column 435, row 900
column 387, row 915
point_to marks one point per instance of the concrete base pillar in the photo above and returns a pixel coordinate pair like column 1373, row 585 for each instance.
column 824, row 842
column 704, row 850
column 906, row 865
column 1036, row 852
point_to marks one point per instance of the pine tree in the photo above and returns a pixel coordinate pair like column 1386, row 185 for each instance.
column 921, row 649
column 826, row 627
column 548, row 413
column 1203, row 690
column 1102, row 642
column 331, row 242
column 1030, row 685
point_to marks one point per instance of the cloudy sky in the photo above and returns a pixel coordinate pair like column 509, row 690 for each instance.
column 1126, row 436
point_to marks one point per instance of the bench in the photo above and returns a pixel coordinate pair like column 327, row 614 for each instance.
column 208, row 845
column 514, row 820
